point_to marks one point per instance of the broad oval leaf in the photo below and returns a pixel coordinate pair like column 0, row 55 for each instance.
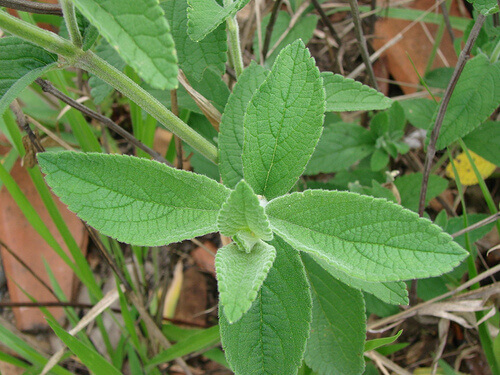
column 346, row 94
column 394, row 293
column 195, row 58
column 476, row 96
column 206, row 15
column 134, row 200
column 338, row 327
column 20, row 64
column 240, row 276
column 367, row 238
column 271, row 337
column 283, row 123
column 140, row 33
column 231, row 126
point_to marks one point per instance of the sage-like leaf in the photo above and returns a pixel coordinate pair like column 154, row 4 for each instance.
column 231, row 126
column 21, row 63
column 242, row 214
column 367, row 238
column 283, row 123
column 240, row 276
column 134, row 200
column 271, row 337
column 140, row 33
column 345, row 94
column 338, row 327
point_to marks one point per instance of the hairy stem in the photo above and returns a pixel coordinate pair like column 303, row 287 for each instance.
column 32, row 7
column 71, row 23
column 235, row 45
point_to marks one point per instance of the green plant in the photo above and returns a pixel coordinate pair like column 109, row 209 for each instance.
column 296, row 256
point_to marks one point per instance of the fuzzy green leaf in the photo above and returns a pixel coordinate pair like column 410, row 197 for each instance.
column 485, row 7
column 20, row 64
column 231, row 126
column 340, row 146
column 98, row 88
column 409, row 189
column 206, row 15
column 367, row 238
column 92, row 359
column 302, row 29
column 240, row 276
column 419, row 111
column 345, row 94
column 140, row 33
column 271, row 337
column 394, row 293
column 132, row 199
column 476, row 96
column 195, row 58
column 283, row 123
column 337, row 339
column 243, row 216
column 484, row 141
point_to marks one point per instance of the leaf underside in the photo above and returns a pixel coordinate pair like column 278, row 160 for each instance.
column 134, row 200
column 367, row 238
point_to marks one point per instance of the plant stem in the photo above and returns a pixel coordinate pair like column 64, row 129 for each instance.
column 41, row 37
column 234, row 45
column 100, row 68
column 362, row 42
column 32, row 7
column 431, row 149
column 269, row 28
column 71, row 23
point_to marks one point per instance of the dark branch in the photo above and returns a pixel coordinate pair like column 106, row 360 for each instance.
column 32, row 7
column 270, row 27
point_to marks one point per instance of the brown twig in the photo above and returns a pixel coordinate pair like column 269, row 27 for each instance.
column 477, row 225
column 327, row 22
column 49, row 88
column 32, row 7
column 270, row 27
column 23, row 123
column 362, row 42
column 446, row 17
column 431, row 149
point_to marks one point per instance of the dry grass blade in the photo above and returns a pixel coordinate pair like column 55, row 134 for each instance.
column 377, row 357
column 93, row 313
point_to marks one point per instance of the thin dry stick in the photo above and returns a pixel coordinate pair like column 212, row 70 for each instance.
column 327, row 22
column 177, row 140
column 50, row 133
column 414, row 310
column 387, row 362
column 49, row 88
column 362, row 42
column 51, row 304
column 269, row 28
column 479, row 224
column 22, row 122
column 30, row 271
column 446, row 17
column 431, row 149
column 32, row 7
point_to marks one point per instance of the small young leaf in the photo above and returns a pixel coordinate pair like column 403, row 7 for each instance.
column 485, row 7
column 337, row 338
column 243, row 215
column 140, row 33
column 340, row 146
column 135, row 200
column 231, row 126
column 377, row 343
column 476, row 96
column 195, row 58
column 271, row 337
column 345, row 94
column 484, row 141
column 20, row 64
column 240, row 276
column 367, row 238
column 394, row 293
column 302, row 29
column 409, row 189
column 379, row 160
column 93, row 360
column 283, row 123
column 206, row 15
column 98, row 88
